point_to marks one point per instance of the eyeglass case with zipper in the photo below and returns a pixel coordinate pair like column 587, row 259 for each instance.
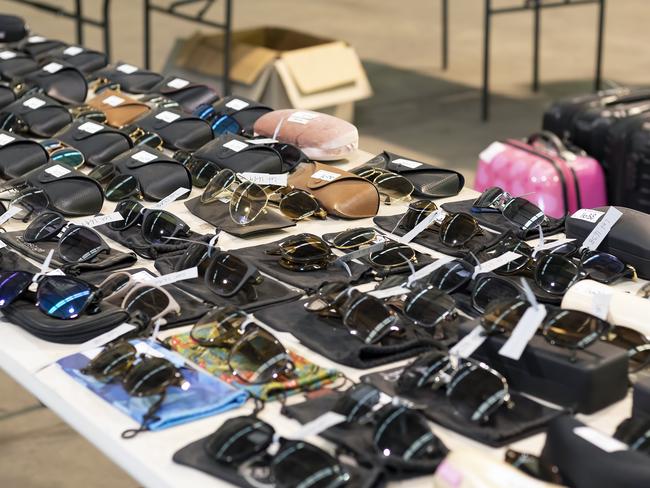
column 187, row 94
column 42, row 115
column 19, row 155
column 596, row 379
column 544, row 171
column 61, row 81
column 130, row 78
column 177, row 130
column 97, row 142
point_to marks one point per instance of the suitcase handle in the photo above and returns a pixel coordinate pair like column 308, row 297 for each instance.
column 551, row 140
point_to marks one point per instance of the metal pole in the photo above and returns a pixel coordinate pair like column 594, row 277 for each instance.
column 147, row 34
column 226, row 48
column 78, row 17
column 445, row 34
column 599, row 49
column 536, row 34
column 485, row 94
column 107, row 29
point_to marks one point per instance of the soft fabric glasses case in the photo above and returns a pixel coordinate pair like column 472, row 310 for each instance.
column 43, row 115
column 177, row 130
column 60, row 81
column 120, row 109
column 627, row 240
column 243, row 110
column 7, row 95
column 189, row 95
column 130, row 78
column 84, row 59
column 72, row 193
column 15, row 64
column 158, row 174
column 19, row 155
column 36, row 46
column 526, row 418
column 97, row 142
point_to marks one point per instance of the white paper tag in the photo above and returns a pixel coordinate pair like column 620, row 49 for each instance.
column 113, row 101
column 57, row 170
column 6, row 139
column 107, row 337
column 389, row 292
column 178, row 83
column 143, row 276
column 266, row 178
column 428, row 269
column 7, row 55
column 186, row 274
column 170, row 198
column 316, row 426
column 492, row 150
column 102, row 219
column 266, row 140
column 424, row 224
column 127, row 68
column 600, row 303
column 470, row 343
column 598, row 233
column 35, row 39
column 302, row 117
column 73, row 50
column 600, row 440
column 325, row 175
column 52, row 67
column 235, row 145
column 11, row 211
column 144, row 348
column 496, row 263
column 143, row 156
column 407, row 162
column 34, row 103
column 523, row 332
column 90, row 127
column 168, row 116
column 359, row 253
column 237, row 104
column 45, row 265
column 3, row 244
column 588, row 215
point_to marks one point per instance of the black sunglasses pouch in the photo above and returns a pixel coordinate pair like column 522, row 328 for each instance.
column 70, row 192
column 195, row 456
column 584, row 464
column 242, row 156
column 176, row 129
column 36, row 46
column 357, row 439
column 130, row 78
column 15, row 64
column 19, row 155
column 187, row 94
column 97, row 142
column 43, row 115
column 12, row 28
column 7, row 95
column 60, row 81
column 218, row 214
column 269, row 292
column 85, row 60
column 158, row 174
column 10, row 260
column 243, row 110
column 527, row 417
column 330, row 338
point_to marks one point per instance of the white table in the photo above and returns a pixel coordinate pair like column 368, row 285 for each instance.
column 148, row 457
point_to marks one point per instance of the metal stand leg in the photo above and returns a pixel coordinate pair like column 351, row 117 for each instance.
column 445, row 34
column 598, row 80
column 536, row 34
column 80, row 26
column 107, row 29
column 485, row 95
column 147, row 34
column 226, row 47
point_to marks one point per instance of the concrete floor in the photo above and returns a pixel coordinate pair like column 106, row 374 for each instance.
column 418, row 111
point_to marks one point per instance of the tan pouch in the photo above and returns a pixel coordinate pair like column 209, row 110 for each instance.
column 120, row 109
column 339, row 192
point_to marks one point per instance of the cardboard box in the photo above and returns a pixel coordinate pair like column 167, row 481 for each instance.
column 280, row 68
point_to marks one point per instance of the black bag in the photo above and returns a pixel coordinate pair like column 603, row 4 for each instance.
column 97, row 142
column 36, row 46
column 177, row 130
column 41, row 115
column 187, row 94
column 243, row 110
column 158, row 174
column 130, row 78
column 7, row 94
column 12, row 28
column 19, row 155
column 61, row 81
column 15, row 64
column 84, row 59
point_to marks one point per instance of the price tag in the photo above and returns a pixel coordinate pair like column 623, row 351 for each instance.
column 102, row 219
column 73, row 50
column 113, row 101
column 45, row 265
column 178, row 83
column 143, row 276
column 52, row 67
column 600, row 303
column 523, row 332
column 389, row 292
column 325, row 175
column 6, row 139
column 167, row 116
column 11, row 211
column 470, row 343
column 598, row 233
column 90, row 127
column 266, row 178
column 7, row 55
column 407, row 162
column 302, row 117
column 359, row 253
column 235, row 145
column 170, row 198
column 428, row 269
column 35, row 39
column 34, row 103
column 317, row 426
column 143, row 156
column 496, row 263
column 418, row 229
column 600, row 440
column 237, row 104
column 107, row 337
column 167, row 279
column 57, row 170
column 266, row 140
column 588, row 215
column 127, row 68
column 492, row 150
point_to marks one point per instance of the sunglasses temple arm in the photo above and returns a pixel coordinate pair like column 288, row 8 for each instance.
column 399, row 222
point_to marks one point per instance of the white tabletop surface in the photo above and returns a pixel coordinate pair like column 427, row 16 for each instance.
column 148, row 457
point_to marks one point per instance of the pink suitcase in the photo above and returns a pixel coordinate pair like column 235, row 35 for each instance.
column 543, row 171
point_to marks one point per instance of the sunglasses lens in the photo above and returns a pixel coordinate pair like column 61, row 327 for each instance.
column 239, row 439
column 451, row 276
column 635, row 343
column 573, row 329
column 225, row 124
column 226, row 274
column 555, row 274
column 514, row 245
column 369, row 319
column 202, row 171
column 258, row 357
column 148, row 139
column 488, row 197
column 304, row 248
column 393, row 254
column 298, row 205
column 476, row 392
column 113, row 284
column 417, row 212
column 112, row 361
column 122, row 187
column 103, row 172
column 393, row 186
column 353, row 238
column 70, row 158
column 423, row 372
column 247, row 203
column 404, row 434
column 80, row 244
column 489, row 289
column 524, row 214
column 31, row 201
column 357, row 402
column 503, row 316
column 158, row 226
column 302, row 464
column 150, row 377
column 218, row 185
column 148, row 300
column 130, row 210
column 428, row 307
column 458, row 229
column 46, row 226
column 219, row 327
column 12, row 284
column 62, row 298
column 602, row 266
column 291, row 155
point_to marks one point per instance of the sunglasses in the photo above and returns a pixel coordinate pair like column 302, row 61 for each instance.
column 489, row 288
column 243, row 442
column 86, row 112
column 395, row 188
column 158, row 227
column 353, row 238
column 451, row 277
column 254, row 355
column 636, row 344
column 63, row 154
column 142, row 137
column 117, row 187
column 426, row 307
column 13, row 123
column 28, row 199
column 534, row 466
column 76, row 243
column 98, row 85
column 220, row 123
column 518, row 211
column 474, row 390
column 201, row 170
